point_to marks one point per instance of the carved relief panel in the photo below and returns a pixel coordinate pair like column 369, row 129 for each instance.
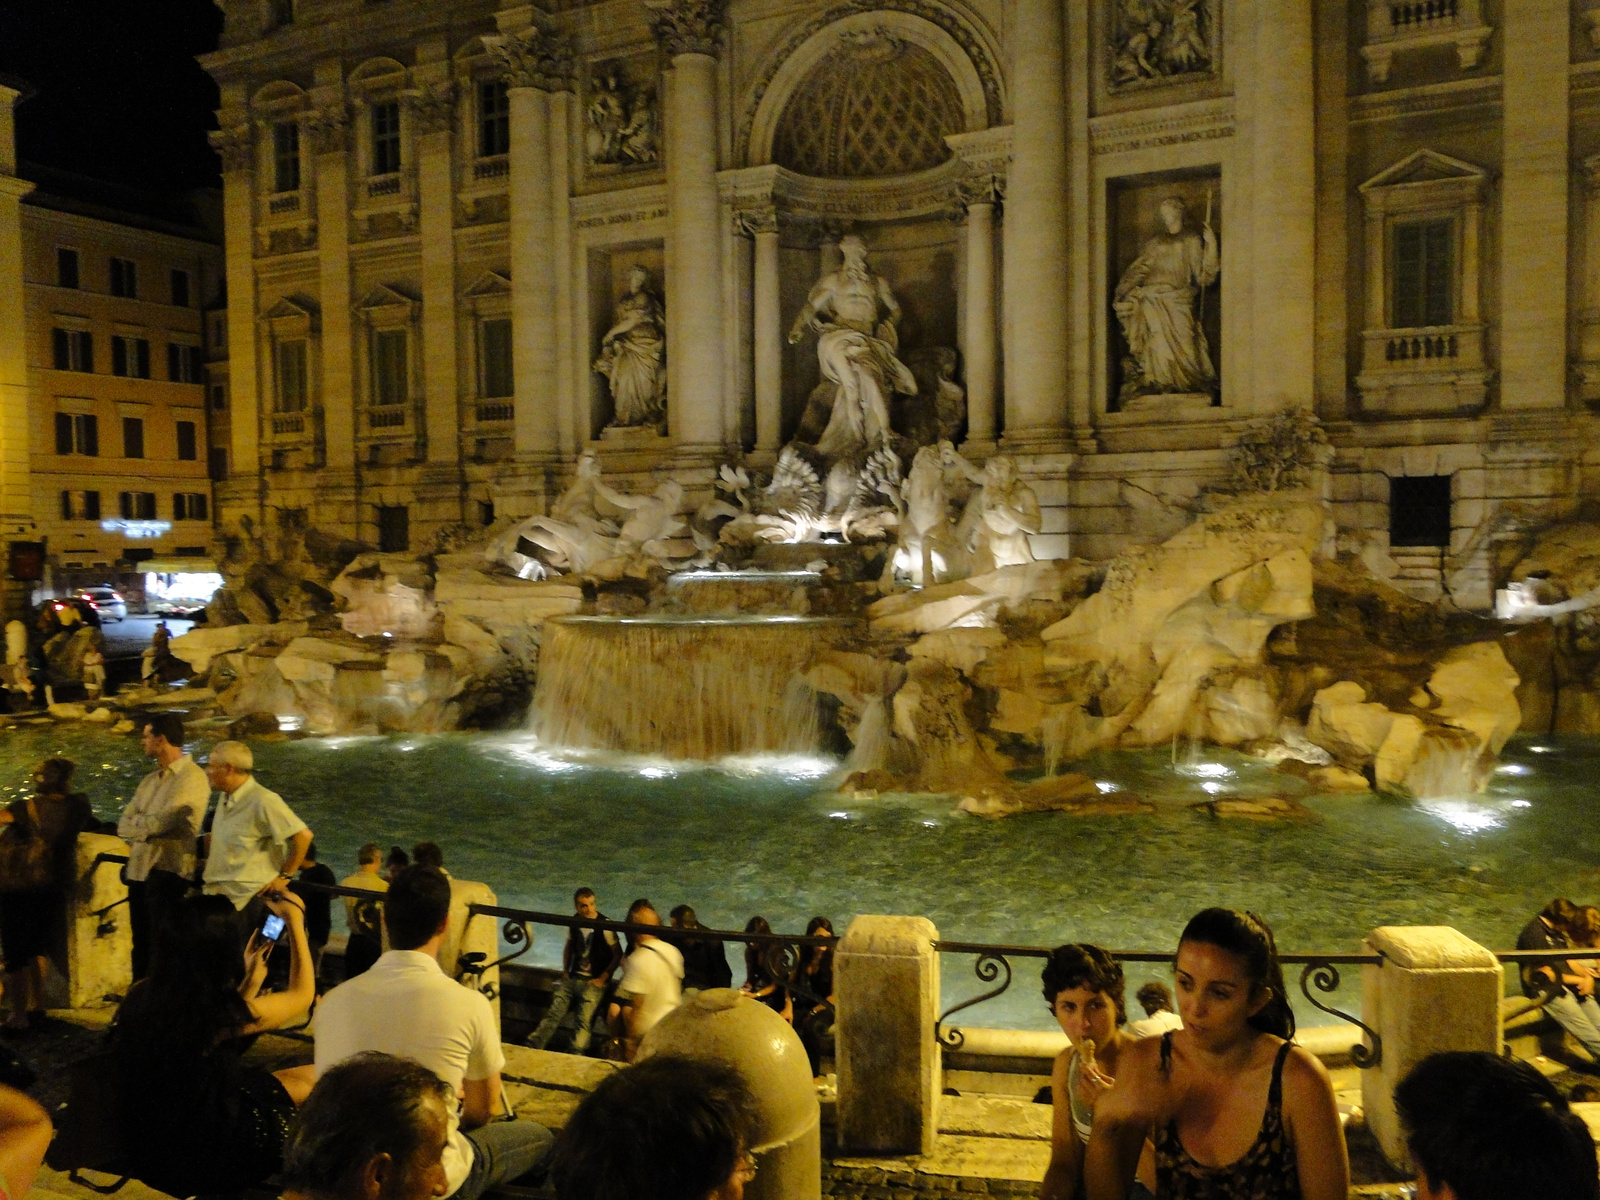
column 1152, row 43
column 622, row 114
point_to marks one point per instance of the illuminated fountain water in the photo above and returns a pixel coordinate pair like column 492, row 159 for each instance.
column 699, row 688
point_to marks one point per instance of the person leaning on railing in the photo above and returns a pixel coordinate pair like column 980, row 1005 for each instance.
column 1196, row 1092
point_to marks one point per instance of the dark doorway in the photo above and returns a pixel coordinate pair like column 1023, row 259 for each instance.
column 394, row 528
column 1419, row 510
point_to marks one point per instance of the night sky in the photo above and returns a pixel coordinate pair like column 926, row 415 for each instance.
column 120, row 97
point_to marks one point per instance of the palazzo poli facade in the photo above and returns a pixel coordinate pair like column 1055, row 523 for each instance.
column 466, row 244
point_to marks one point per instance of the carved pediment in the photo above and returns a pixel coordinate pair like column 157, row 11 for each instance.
column 1426, row 166
column 278, row 97
column 490, row 283
column 378, row 73
column 384, row 297
column 290, row 307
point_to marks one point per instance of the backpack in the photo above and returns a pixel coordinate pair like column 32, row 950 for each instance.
column 27, row 860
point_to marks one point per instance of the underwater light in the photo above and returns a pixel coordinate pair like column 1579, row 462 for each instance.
column 1212, row 788
column 1513, row 769
column 1105, row 786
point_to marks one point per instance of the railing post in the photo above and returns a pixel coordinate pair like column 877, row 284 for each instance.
column 886, row 985
column 99, row 936
column 1435, row 990
column 467, row 934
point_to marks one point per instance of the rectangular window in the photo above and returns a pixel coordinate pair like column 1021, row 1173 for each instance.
column 385, row 138
column 77, row 433
column 67, row 268
column 189, row 506
column 389, row 367
column 1424, row 276
column 132, row 437
column 497, row 379
column 138, row 506
column 187, row 448
column 124, row 278
column 286, row 156
column 130, row 356
column 217, row 462
column 183, row 363
column 394, row 528
column 180, row 288
column 291, row 376
column 1419, row 510
column 494, row 119
column 219, row 397
column 80, row 506
column 74, row 349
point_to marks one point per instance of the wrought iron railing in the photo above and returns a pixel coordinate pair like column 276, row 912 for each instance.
column 1321, row 971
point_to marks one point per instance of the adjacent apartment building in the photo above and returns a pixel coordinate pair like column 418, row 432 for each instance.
column 111, row 464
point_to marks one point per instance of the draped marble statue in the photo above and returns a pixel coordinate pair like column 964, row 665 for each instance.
column 1155, row 302
column 633, row 355
column 857, row 349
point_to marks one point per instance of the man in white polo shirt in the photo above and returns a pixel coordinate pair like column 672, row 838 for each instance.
column 406, row 1005
column 257, row 843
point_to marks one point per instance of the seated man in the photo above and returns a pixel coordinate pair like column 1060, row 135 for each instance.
column 406, row 1005
column 589, row 960
column 1156, row 1000
column 669, row 1128
column 652, row 980
column 1568, row 993
column 1482, row 1127
column 374, row 1128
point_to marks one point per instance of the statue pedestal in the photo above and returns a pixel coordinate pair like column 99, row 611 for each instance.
column 1165, row 401
column 633, row 435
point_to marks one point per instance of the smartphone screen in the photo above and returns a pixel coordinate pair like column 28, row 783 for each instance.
column 272, row 927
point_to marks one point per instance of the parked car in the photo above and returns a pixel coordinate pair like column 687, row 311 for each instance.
column 107, row 602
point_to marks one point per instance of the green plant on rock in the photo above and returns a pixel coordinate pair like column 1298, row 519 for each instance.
column 1279, row 451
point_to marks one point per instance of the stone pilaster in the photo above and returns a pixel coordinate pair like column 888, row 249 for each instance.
column 1587, row 369
column 537, row 62
column 327, row 129
column 762, row 225
column 1279, row 120
column 571, row 398
column 237, row 147
column 15, row 481
column 1036, row 262
column 690, row 31
column 433, row 117
column 1533, row 236
column 981, row 199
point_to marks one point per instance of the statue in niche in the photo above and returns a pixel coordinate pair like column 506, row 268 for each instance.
column 1153, row 40
column 857, row 351
column 633, row 355
column 1000, row 514
column 1155, row 302
column 622, row 122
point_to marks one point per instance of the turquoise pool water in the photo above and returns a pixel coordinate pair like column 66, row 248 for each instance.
column 763, row 837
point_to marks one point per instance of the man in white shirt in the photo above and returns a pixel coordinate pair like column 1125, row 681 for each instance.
column 257, row 843
column 161, row 825
column 652, row 979
column 406, row 1005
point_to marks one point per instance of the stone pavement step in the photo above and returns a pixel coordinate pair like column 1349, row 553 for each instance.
column 994, row 1117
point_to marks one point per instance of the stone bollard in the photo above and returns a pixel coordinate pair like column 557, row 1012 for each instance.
column 886, row 986
column 721, row 1023
column 1436, row 990
column 99, row 956
column 479, row 935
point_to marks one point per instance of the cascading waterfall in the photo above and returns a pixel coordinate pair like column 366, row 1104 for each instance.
column 702, row 688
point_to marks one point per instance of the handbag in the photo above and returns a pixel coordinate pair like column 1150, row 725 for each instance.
column 26, row 861
column 88, row 1126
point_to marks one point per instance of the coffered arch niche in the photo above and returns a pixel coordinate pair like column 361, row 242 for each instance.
column 792, row 74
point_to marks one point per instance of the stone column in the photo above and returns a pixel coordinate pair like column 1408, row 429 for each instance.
column 433, row 115
column 99, row 947
column 572, row 429
column 886, row 987
column 1533, row 236
column 980, row 314
column 768, row 333
column 1282, row 203
column 16, row 501
column 327, row 129
column 690, row 32
column 1587, row 368
column 1436, row 990
column 236, row 144
column 537, row 62
column 1036, row 263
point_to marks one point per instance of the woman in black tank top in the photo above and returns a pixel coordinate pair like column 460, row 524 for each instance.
column 1234, row 1109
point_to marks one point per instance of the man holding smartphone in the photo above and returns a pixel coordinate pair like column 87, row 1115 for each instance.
column 257, row 842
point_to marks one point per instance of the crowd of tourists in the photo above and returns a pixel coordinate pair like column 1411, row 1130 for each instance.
column 403, row 1098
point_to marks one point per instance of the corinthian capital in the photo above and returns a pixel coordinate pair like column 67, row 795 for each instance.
column 326, row 128
column 688, row 26
column 535, row 58
column 236, row 145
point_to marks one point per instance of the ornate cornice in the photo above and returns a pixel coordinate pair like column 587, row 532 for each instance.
column 688, row 26
column 236, row 145
column 535, row 58
column 1426, row 100
column 433, row 107
column 1140, row 129
column 326, row 128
